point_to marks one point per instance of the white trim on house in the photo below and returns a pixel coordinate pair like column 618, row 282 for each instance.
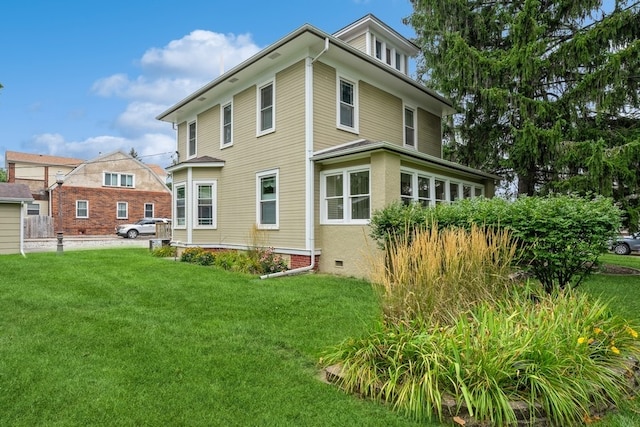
column 341, row 77
column 259, row 130
column 275, row 173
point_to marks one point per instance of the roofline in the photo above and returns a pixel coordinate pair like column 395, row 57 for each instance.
column 186, row 165
column 380, row 23
column 387, row 146
column 286, row 39
column 15, row 199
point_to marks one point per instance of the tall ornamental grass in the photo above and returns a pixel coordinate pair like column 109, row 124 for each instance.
column 562, row 357
column 436, row 274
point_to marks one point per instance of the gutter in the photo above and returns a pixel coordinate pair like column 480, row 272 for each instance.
column 309, row 170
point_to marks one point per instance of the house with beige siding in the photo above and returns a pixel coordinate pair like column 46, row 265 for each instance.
column 304, row 141
column 13, row 198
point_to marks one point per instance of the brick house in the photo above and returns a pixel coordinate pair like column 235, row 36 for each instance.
column 111, row 189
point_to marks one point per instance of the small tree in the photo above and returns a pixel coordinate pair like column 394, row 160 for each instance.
column 3, row 175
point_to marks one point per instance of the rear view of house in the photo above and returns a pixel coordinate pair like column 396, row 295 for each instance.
column 305, row 140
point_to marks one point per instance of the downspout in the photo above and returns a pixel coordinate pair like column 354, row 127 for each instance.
column 309, row 171
column 22, row 229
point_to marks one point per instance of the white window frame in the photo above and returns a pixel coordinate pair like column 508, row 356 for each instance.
column 214, row 202
column 347, row 198
column 77, row 208
column 353, row 82
column 223, row 142
column 191, row 154
column 259, row 177
column 176, row 222
column 153, row 210
column 405, row 128
column 259, row 126
column 415, row 184
column 447, row 182
column 118, row 178
column 32, row 208
column 126, row 210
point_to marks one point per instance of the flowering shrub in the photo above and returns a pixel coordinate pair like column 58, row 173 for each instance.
column 191, row 254
column 270, row 262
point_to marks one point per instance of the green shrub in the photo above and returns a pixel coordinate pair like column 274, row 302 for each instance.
column 441, row 273
column 236, row 261
column 566, row 353
column 204, row 258
column 164, row 251
column 190, row 254
column 560, row 237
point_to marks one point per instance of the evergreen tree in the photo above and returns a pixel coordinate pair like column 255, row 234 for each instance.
column 547, row 90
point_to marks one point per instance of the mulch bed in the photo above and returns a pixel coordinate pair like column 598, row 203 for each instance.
column 618, row 270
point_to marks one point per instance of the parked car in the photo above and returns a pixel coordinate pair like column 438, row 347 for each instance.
column 145, row 226
column 623, row 245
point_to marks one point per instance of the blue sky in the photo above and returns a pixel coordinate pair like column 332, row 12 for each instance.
column 84, row 77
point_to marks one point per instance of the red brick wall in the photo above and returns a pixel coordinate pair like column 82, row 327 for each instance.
column 102, row 208
column 299, row 261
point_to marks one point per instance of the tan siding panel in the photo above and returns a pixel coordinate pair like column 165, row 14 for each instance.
column 347, row 250
column 208, row 132
column 429, row 133
column 359, row 42
column 380, row 115
column 10, row 228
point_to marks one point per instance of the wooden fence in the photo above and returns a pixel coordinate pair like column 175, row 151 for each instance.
column 163, row 231
column 38, row 226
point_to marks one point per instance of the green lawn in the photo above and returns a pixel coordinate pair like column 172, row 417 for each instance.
column 118, row 337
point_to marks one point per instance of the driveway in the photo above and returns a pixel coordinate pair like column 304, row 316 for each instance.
column 84, row 242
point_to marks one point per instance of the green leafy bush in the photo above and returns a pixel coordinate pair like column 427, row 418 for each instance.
column 560, row 237
column 191, row 254
column 236, row 261
column 562, row 356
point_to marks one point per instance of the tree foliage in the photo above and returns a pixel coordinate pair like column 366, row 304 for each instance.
column 3, row 175
column 547, row 90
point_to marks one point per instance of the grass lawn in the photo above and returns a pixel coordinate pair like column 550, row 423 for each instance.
column 118, row 337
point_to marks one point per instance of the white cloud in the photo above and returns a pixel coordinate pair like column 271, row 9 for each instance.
column 155, row 148
column 201, row 54
column 139, row 117
column 181, row 67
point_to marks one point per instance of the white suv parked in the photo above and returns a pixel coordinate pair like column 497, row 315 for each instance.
column 144, row 226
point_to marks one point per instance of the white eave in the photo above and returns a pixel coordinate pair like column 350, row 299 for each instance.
column 305, row 39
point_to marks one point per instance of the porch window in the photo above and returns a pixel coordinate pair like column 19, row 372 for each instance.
column 346, row 196
column 415, row 187
column 267, row 202
column 180, row 213
column 440, row 191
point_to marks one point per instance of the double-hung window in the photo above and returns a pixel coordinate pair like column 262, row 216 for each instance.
column 266, row 108
column 205, row 201
column 122, row 210
column 346, row 196
column 267, row 190
column 227, row 125
column 191, row 139
column 409, row 127
column 148, row 210
column 33, row 209
column 347, row 105
column 82, row 209
column 180, row 213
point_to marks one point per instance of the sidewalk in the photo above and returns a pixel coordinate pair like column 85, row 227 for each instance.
column 84, row 242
